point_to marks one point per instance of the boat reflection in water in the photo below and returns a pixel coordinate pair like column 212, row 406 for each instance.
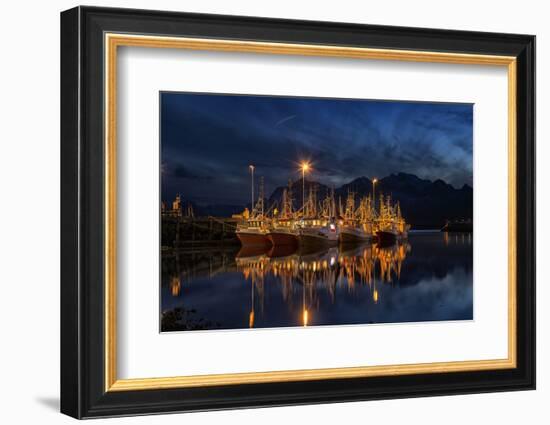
column 428, row 277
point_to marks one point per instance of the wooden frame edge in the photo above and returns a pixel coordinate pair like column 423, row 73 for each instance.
column 114, row 40
column 307, row 375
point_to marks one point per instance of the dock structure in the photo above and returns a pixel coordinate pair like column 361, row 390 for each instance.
column 182, row 232
column 460, row 226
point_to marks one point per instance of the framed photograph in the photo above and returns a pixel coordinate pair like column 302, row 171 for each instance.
column 261, row 212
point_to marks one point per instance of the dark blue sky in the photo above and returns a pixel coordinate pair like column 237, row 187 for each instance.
column 208, row 141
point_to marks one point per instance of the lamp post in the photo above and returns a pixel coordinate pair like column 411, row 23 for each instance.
column 305, row 167
column 374, row 181
column 251, row 167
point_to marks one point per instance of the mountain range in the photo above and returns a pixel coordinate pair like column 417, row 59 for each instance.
column 424, row 203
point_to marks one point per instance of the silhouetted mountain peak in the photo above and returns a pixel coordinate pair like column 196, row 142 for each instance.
column 424, row 203
column 360, row 184
column 361, row 179
column 403, row 176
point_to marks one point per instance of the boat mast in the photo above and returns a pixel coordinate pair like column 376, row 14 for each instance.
column 284, row 212
column 261, row 196
column 251, row 167
column 287, row 201
column 311, row 204
column 333, row 204
column 350, row 206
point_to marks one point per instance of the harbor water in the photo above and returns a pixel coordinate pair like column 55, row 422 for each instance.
column 427, row 277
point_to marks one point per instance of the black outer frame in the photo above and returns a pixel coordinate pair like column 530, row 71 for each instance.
column 82, row 212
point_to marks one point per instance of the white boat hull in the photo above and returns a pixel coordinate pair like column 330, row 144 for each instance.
column 352, row 234
column 317, row 236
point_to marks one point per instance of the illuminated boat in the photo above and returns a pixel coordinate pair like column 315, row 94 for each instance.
column 253, row 232
column 282, row 236
column 388, row 236
column 283, row 232
column 357, row 224
column 354, row 233
column 314, row 234
column 390, row 225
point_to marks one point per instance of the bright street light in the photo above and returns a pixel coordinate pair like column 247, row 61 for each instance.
column 305, row 167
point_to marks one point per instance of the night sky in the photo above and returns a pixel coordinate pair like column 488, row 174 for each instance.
column 208, row 141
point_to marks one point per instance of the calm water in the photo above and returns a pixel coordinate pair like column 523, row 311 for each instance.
column 429, row 277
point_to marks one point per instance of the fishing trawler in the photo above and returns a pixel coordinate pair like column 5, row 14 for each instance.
column 283, row 226
column 253, row 231
column 353, row 232
column 318, row 228
column 313, row 233
column 390, row 224
column 283, row 233
column 387, row 235
column 357, row 225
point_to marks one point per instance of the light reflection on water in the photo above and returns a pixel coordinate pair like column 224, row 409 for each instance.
column 428, row 277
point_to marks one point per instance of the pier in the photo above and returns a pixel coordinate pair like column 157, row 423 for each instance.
column 181, row 232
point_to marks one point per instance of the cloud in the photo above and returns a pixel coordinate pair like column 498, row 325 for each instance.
column 208, row 141
column 286, row 119
column 181, row 172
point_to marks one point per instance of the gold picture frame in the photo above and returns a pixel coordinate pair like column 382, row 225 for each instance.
column 114, row 41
